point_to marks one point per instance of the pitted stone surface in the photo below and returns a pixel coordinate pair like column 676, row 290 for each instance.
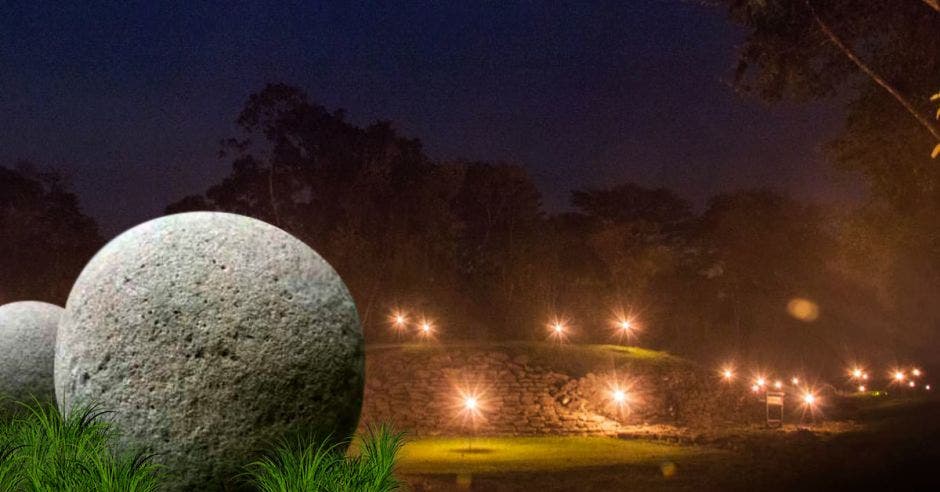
column 210, row 335
column 27, row 352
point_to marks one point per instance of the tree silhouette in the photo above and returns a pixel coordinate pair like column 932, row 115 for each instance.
column 46, row 239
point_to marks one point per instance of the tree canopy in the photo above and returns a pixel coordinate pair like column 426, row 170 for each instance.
column 46, row 238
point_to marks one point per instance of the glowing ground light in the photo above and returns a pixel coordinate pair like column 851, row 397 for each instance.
column 809, row 399
column 727, row 374
column 916, row 372
column 927, row 387
column 856, row 373
column 911, row 384
column 760, row 382
column 861, row 388
column 558, row 330
column 619, row 396
column 623, row 326
column 899, row 376
column 865, row 376
column 470, row 403
column 399, row 319
column 778, row 384
column 426, row 328
column 794, row 381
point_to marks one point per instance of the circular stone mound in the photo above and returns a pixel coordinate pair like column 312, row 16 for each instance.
column 210, row 335
column 27, row 351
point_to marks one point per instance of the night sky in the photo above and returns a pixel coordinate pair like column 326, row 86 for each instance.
column 130, row 104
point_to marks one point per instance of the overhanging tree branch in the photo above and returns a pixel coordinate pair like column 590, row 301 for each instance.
column 924, row 120
column 934, row 4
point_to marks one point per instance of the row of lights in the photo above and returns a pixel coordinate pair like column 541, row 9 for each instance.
column 856, row 375
column 473, row 402
column 623, row 327
column 558, row 329
column 400, row 321
column 760, row 383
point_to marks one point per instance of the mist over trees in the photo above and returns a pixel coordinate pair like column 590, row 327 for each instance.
column 883, row 58
column 754, row 276
column 469, row 245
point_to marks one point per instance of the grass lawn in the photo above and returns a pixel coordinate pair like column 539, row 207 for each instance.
column 529, row 454
column 892, row 443
column 575, row 360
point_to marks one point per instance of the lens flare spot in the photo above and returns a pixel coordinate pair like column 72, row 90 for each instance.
column 803, row 309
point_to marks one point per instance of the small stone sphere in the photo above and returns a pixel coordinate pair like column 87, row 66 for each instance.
column 27, row 351
column 210, row 336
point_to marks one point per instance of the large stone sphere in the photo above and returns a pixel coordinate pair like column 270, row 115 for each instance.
column 27, row 351
column 211, row 335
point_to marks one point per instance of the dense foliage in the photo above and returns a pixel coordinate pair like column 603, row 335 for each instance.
column 468, row 244
column 882, row 59
column 314, row 465
column 44, row 451
column 46, row 239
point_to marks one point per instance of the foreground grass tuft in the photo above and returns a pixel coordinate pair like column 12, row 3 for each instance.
column 315, row 465
column 42, row 450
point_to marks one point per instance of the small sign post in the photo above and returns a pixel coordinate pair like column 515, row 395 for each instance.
column 774, row 409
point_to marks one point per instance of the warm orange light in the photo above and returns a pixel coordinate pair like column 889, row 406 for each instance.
column 809, row 399
column 755, row 388
column 861, row 388
column 619, row 396
column 727, row 374
column 927, row 387
column 803, row 309
column 916, row 372
column 778, row 384
column 426, row 328
column 558, row 329
column 865, row 376
column 470, row 403
column 794, row 381
column 899, row 376
column 911, row 384
column 398, row 319
column 623, row 324
column 856, row 373
column 760, row 381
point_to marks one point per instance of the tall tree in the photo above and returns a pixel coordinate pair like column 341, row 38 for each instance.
column 498, row 209
column 887, row 55
column 45, row 239
column 366, row 198
column 808, row 48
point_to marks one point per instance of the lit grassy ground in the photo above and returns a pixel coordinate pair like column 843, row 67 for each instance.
column 530, row 454
column 573, row 359
column 892, row 442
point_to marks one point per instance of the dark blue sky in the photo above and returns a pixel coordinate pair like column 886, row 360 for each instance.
column 131, row 103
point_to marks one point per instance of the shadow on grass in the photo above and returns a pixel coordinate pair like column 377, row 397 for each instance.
column 472, row 451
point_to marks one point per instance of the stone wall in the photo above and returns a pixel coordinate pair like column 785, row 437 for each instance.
column 423, row 392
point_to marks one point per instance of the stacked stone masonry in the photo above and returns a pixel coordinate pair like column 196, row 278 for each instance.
column 424, row 393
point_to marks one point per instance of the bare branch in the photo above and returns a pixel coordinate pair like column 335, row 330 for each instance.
column 850, row 54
